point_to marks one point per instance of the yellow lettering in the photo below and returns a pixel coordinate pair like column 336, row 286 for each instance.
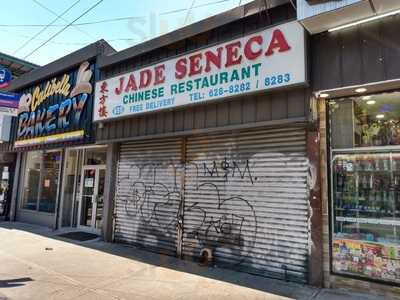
column 34, row 98
column 52, row 87
column 66, row 86
column 46, row 92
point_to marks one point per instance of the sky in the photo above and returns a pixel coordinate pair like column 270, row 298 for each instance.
column 26, row 24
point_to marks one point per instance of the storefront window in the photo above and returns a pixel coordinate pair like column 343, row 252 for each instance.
column 366, row 186
column 49, row 181
column 366, row 121
column 95, row 156
column 32, row 180
column 41, row 181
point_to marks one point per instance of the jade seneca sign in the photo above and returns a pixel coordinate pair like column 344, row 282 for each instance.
column 265, row 60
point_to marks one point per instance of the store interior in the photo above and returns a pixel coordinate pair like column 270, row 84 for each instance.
column 365, row 185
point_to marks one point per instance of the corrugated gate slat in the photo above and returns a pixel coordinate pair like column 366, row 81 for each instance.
column 148, row 194
column 246, row 198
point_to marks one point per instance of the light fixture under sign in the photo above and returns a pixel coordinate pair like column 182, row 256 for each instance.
column 324, row 95
column 365, row 20
column 360, row 90
column 380, row 116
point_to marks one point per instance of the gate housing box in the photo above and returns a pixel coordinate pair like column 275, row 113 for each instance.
column 320, row 15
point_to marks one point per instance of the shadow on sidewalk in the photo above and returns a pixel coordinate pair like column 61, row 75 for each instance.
column 264, row 284
column 261, row 283
column 16, row 282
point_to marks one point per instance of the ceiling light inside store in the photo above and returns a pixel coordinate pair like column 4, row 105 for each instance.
column 365, row 20
column 371, row 102
column 360, row 90
column 324, row 95
column 380, row 116
column 366, row 97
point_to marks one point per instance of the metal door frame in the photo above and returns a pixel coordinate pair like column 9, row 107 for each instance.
column 97, row 169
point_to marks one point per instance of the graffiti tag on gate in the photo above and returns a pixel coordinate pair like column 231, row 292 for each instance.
column 153, row 194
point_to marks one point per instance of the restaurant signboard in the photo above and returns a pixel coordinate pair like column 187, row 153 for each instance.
column 272, row 58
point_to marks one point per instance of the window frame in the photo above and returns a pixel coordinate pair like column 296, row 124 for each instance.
column 355, row 99
column 24, row 177
column 331, row 152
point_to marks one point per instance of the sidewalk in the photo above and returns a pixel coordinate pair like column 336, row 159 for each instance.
column 34, row 264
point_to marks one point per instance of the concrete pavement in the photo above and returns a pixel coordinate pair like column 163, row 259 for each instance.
column 35, row 264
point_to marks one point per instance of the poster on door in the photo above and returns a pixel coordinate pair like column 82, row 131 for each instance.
column 89, row 182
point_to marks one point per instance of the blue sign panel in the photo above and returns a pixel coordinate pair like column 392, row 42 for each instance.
column 5, row 78
column 9, row 103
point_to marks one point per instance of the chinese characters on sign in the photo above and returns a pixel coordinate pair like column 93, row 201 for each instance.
column 102, row 110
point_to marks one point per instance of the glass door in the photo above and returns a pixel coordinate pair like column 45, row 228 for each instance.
column 91, row 197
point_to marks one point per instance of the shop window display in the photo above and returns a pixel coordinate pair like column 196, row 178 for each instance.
column 49, row 181
column 366, row 186
column 41, row 181
column 31, row 182
column 367, row 121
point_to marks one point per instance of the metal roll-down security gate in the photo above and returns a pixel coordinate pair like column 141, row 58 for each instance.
column 241, row 195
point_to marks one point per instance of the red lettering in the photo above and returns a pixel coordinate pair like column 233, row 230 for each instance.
column 159, row 76
column 232, row 54
column 118, row 91
column 279, row 42
column 131, row 86
column 145, row 78
column 103, row 99
column 248, row 50
column 194, row 64
column 103, row 111
column 180, row 68
column 213, row 58
column 104, row 87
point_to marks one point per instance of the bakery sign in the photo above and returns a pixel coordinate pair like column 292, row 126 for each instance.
column 272, row 58
column 56, row 110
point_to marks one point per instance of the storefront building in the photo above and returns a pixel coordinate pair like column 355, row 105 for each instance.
column 214, row 144
column 10, row 69
column 243, row 140
column 60, row 172
column 355, row 75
